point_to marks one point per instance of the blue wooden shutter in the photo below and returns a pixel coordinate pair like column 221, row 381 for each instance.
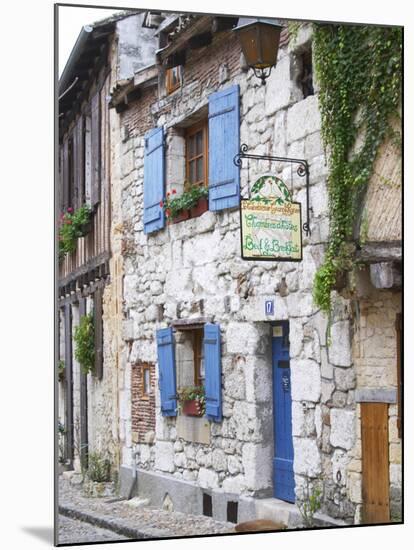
column 154, row 180
column 166, row 368
column 212, row 365
column 224, row 144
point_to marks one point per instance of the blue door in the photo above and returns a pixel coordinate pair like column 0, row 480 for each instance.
column 283, row 479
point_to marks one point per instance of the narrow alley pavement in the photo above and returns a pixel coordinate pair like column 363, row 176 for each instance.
column 84, row 519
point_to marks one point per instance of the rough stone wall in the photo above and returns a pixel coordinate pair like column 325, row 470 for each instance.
column 375, row 357
column 193, row 269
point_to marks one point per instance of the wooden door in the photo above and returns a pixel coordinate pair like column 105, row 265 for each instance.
column 375, row 463
column 283, row 478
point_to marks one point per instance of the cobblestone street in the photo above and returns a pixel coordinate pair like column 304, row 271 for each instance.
column 111, row 519
column 72, row 531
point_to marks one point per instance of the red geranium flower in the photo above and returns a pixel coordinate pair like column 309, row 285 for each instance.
column 173, row 191
column 161, row 204
column 168, row 194
column 70, row 210
column 167, row 212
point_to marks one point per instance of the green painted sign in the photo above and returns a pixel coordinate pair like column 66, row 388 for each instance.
column 271, row 225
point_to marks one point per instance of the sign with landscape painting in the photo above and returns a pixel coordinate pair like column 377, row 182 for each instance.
column 271, row 223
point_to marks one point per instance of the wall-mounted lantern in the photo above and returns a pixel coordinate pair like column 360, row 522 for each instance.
column 259, row 39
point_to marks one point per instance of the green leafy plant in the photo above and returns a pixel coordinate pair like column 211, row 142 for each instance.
column 192, row 393
column 99, row 468
column 173, row 207
column 359, row 74
column 310, row 503
column 61, row 370
column 73, row 225
column 84, row 337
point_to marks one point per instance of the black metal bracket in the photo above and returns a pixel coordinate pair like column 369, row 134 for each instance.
column 302, row 171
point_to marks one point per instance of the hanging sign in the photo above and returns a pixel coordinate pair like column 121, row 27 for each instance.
column 271, row 224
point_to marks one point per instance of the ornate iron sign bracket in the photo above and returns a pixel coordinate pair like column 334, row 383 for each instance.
column 302, row 171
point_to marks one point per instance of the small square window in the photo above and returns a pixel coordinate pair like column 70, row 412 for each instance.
column 173, row 79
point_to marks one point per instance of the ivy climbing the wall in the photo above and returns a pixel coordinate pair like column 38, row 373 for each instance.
column 359, row 72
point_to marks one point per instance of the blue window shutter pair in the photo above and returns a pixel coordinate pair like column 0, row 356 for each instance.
column 154, row 175
column 224, row 175
column 224, row 144
column 212, row 363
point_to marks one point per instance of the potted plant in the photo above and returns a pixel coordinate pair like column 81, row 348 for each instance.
column 192, row 203
column 192, row 400
column 74, row 224
column 84, row 337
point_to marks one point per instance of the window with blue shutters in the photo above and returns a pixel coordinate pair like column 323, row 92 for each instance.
column 166, row 371
column 183, row 372
column 154, row 175
column 224, row 144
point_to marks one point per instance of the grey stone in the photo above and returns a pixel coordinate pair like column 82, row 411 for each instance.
column 342, row 428
column 127, row 481
column 339, row 351
column 305, row 380
column 376, row 395
column 345, row 379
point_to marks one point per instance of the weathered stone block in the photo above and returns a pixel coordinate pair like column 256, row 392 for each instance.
column 303, row 420
column 236, row 484
column 219, row 460
column 339, row 352
column 207, row 479
column 307, row 459
column 164, row 456
column 257, row 465
column 305, row 380
column 303, row 118
column 342, row 428
column 345, row 379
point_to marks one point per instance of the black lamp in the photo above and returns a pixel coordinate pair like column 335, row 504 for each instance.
column 259, row 39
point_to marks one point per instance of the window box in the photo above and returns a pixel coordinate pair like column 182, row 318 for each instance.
column 193, row 407
column 199, row 208
column 183, row 215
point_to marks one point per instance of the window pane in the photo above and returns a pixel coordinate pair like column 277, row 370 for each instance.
column 200, row 169
column 191, row 146
column 192, row 171
column 146, row 381
column 199, row 140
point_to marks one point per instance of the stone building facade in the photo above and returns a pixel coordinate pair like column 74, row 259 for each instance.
column 190, row 274
column 181, row 307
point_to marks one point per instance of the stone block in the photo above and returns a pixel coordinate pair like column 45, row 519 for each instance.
column 376, row 395
column 395, row 453
column 257, row 465
column 303, row 420
column 313, row 145
column 307, row 459
column 355, row 487
column 395, row 474
column 342, row 428
column 295, row 337
column 219, row 460
column 164, row 456
column 303, row 118
column 305, row 380
column 345, row 378
column 339, row 351
column 234, row 465
column 300, row 304
column 196, row 430
column 235, row 484
column 207, row 479
column 340, row 460
column 243, row 338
